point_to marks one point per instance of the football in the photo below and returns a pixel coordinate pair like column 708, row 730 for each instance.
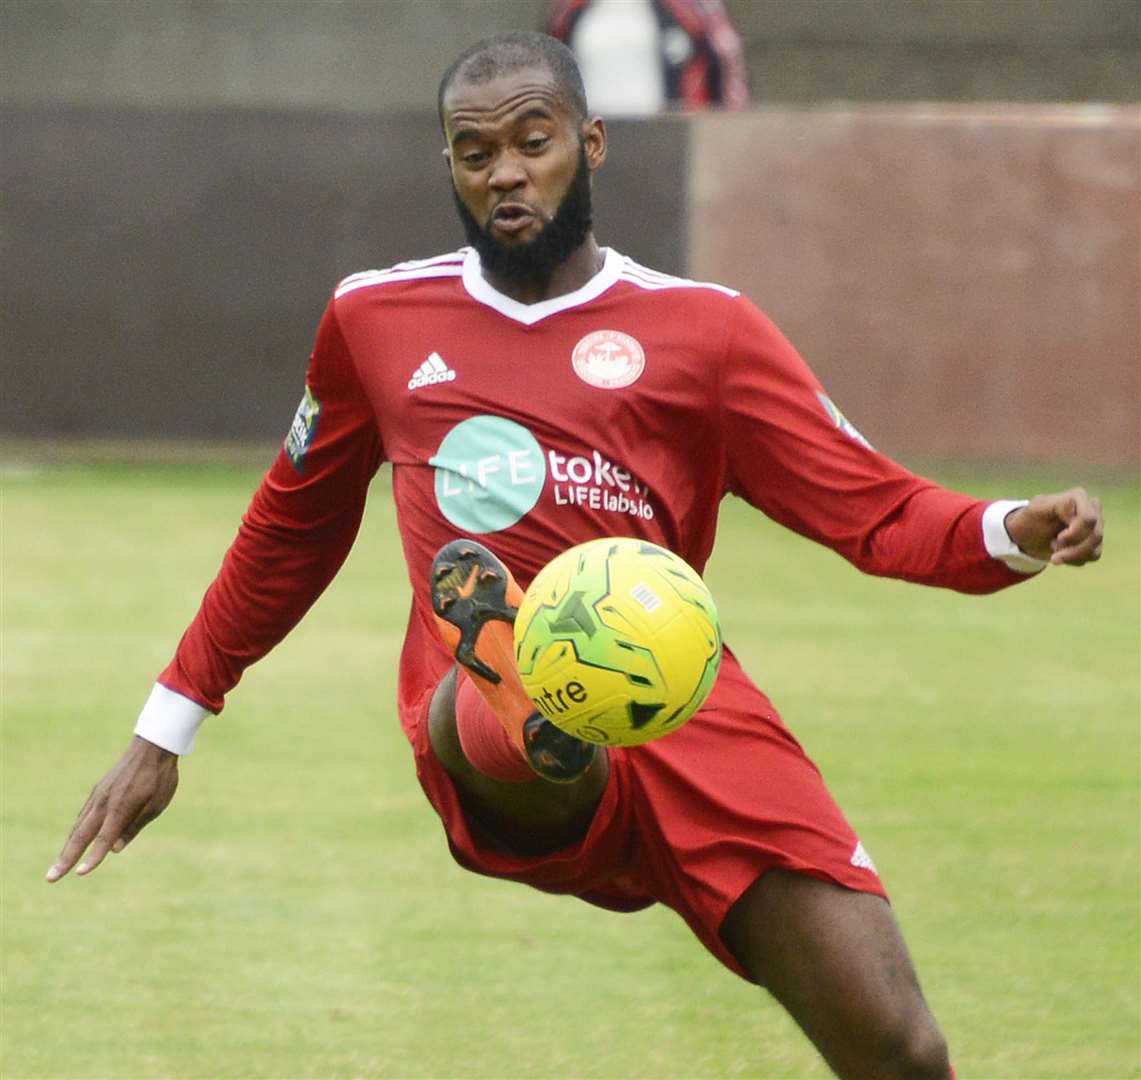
column 617, row 641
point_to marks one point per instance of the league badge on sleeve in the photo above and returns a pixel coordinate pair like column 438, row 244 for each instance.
column 841, row 421
column 303, row 429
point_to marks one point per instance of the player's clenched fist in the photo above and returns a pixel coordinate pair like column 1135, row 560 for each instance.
column 1066, row 528
column 136, row 790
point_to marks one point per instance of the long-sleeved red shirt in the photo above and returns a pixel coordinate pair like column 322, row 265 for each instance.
column 630, row 407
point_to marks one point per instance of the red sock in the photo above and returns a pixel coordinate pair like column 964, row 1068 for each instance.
column 484, row 739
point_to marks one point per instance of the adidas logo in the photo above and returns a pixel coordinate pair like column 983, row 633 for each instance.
column 862, row 859
column 433, row 370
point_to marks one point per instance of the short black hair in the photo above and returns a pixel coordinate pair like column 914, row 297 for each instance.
column 510, row 52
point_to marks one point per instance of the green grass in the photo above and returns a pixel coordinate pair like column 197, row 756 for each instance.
column 296, row 914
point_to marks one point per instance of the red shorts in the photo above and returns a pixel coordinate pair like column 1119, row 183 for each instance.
column 690, row 820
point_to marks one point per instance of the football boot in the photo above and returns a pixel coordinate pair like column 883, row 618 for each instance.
column 475, row 600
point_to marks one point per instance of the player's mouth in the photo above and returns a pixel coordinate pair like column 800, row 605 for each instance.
column 510, row 219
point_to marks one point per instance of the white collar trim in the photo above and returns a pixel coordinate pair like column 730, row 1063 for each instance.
column 528, row 314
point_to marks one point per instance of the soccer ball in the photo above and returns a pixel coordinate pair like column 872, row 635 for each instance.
column 617, row 641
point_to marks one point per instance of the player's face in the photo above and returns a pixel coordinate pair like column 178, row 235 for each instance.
column 520, row 162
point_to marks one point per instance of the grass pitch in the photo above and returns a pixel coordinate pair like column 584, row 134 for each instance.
column 295, row 912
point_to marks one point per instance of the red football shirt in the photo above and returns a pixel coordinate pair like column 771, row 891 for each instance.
column 630, row 407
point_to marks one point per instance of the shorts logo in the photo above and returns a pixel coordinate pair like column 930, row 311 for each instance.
column 489, row 473
column 841, row 421
column 303, row 430
column 608, row 359
column 861, row 859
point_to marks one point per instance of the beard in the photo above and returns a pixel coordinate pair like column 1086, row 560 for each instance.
column 560, row 237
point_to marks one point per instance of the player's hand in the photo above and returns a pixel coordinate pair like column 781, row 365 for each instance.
column 136, row 790
column 1063, row 529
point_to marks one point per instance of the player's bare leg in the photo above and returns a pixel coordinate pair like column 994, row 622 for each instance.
column 835, row 959
column 475, row 600
column 531, row 818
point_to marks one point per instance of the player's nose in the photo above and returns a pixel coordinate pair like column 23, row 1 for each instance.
column 507, row 173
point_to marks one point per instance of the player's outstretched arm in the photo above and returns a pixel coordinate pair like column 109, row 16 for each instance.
column 1064, row 529
column 136, row 790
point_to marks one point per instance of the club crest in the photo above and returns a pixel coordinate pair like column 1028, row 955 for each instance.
column 608, row 359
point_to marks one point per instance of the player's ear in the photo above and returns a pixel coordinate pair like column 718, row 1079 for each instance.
column 594, row 142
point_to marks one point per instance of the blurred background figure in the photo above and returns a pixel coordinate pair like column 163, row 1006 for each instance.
column 640, row 57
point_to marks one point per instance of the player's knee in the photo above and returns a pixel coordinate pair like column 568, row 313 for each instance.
column 913, row 1049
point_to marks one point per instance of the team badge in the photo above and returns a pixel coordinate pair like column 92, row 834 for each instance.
column 608, row 359
column 303, row 430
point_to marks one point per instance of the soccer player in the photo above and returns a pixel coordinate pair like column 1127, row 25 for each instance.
column 536, row 390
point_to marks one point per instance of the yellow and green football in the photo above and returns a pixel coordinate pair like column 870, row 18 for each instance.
column 617, row 641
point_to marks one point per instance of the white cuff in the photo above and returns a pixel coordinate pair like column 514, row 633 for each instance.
column 998, row 542
column 170, row 720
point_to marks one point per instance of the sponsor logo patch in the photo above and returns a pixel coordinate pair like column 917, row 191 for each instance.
column 303, row 430
column 608, row 359
column 491, row 471
column 598, row 483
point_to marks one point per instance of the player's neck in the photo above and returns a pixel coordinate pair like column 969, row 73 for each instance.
column 571, row 274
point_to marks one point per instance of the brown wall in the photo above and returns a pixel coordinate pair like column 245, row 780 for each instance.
column 966, row 281
column 163, row 270
column 941, row 50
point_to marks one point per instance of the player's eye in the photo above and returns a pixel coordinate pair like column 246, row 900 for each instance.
column 536, row 142
column 474, row 158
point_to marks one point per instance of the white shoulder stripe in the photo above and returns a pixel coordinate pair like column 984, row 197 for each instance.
column 415, row 264
column 675, row 283
column 645, row 271
column 387, row 277
column 646, row 278
column 356, row 277
column 656, row 279
column 412, row 264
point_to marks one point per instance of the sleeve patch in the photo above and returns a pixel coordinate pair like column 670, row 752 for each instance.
column 841, row 421
column 303, row 430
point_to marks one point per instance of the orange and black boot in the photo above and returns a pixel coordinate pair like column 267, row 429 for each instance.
column 475, row 599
